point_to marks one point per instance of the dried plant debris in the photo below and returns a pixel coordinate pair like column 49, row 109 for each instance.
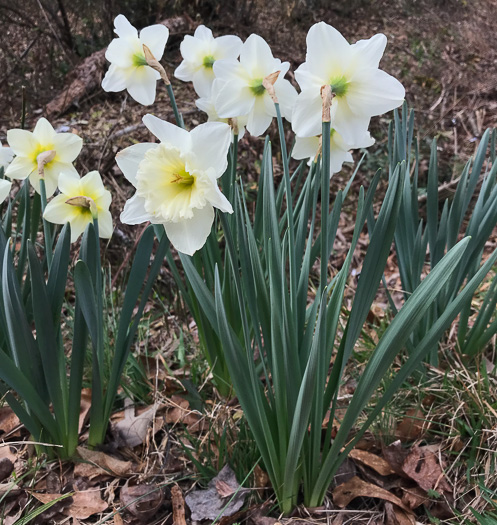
column 223, row 497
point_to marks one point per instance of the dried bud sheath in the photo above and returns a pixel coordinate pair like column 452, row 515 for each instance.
column 155, row 64
column 268, row 83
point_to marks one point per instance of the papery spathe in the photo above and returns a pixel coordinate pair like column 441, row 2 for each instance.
column 360, row 89
column 176, row 180
column 27, row 146
column 200, row 52
column 129, row 69
column 79, row 202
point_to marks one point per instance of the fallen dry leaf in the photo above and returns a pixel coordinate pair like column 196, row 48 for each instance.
column 355, row 487
column 208, row 504
column 180, row 413
column 132, row 430
column 6, row 468
column 415, row 497
column 372, row 461
column 142, row 501
column 8, row 420
column 85, row 407
column 422, row 466
column 99, row 463
column 81, row 504
column 178, row 503
column 396, row 516
column 412, row 426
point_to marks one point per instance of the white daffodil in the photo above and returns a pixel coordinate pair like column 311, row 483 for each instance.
column 78, row 202
column 309, row 147
column 5, row 186
column 240, row 90
column 129, row 69
column 28, row 146
column 206, row 104
column 360, row 89
column 6, row 156
column 199, row 53
column 176, row 180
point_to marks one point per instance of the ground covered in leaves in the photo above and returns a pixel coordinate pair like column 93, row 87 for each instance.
column 178, row 453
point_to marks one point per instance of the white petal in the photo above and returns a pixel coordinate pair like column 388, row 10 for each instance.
column 79, row 222
column 203, row 33
column 370, row 51
column 6, row 156
column 123, row 28
column 167, row 132
column 307, row 114
column 327, row 49
column 155, row 38
column 229, row 70
column 233, row 99
column 259, row 119
column 229, row 46
column 257, row 58
column 218, row 200
column 337, row 158
column 202, row 81
column 307, row 79
column 185, row 71
column 69, row 185
column 67, row 146
column 348, row 124
column 134, row 211
column 305, row 148
column 287, row 97
column 115, row 79
column 191, row 48
column 44, row 132
column 210, row 143
column 105, row 227
column 142, row 85
column 5, row 186
column 374, row 93
column 20, row 168
column 52, row 173
column 190, row 235
column 129, row 159
column 120, row 52
column 22, row 142
column 59, row 212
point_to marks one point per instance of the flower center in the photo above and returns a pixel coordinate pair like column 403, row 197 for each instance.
column 139, row 60
column 339, row 86
column 41, row 149
column 209, row 61
column 256, row 87
column 169, row 190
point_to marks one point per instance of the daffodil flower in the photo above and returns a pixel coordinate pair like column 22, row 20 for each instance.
column 206, row 104
column 6, row 156
column 200, row 52
column 79, row 202
column 310, row 147
column 129, row 69
column 176, row 180
column 27, row 147
column 360, row 89
column 240, row 89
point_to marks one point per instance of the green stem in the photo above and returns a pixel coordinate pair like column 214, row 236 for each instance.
column 177, row 114
column 46, row 226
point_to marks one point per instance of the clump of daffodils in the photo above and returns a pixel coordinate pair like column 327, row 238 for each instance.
column 129, row 67
column 239, row 84
column 56, row 151
column 81, row 201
